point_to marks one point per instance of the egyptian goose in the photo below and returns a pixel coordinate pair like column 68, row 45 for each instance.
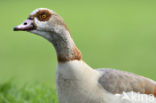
column 76, row 81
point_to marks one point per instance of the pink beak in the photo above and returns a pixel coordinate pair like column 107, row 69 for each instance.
column 27, row 25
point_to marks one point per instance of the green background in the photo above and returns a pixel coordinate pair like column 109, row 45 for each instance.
column 117, row 34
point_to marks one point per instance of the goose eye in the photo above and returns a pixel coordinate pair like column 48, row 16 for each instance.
column 43, row 16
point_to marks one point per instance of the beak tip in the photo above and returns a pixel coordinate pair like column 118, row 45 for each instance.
column 15, row 29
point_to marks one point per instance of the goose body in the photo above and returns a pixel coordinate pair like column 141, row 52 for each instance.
column 76, row 81
column 79, row 83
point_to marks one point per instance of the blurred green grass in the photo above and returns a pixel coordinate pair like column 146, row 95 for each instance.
column 34, row 93
column 118, row 34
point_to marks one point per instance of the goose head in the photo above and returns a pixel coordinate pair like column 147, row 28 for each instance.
column 51, row 26
column 44, row 22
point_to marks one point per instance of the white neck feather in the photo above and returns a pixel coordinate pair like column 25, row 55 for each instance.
column 63, row 43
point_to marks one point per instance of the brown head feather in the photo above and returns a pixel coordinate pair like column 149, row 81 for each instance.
column 42, row 13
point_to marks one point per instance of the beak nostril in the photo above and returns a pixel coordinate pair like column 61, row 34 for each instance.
column 25, row 23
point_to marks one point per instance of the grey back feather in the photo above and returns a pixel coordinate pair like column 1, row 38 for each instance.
column 117, row 82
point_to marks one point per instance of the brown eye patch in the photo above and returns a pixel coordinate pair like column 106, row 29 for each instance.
column 43, row 15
